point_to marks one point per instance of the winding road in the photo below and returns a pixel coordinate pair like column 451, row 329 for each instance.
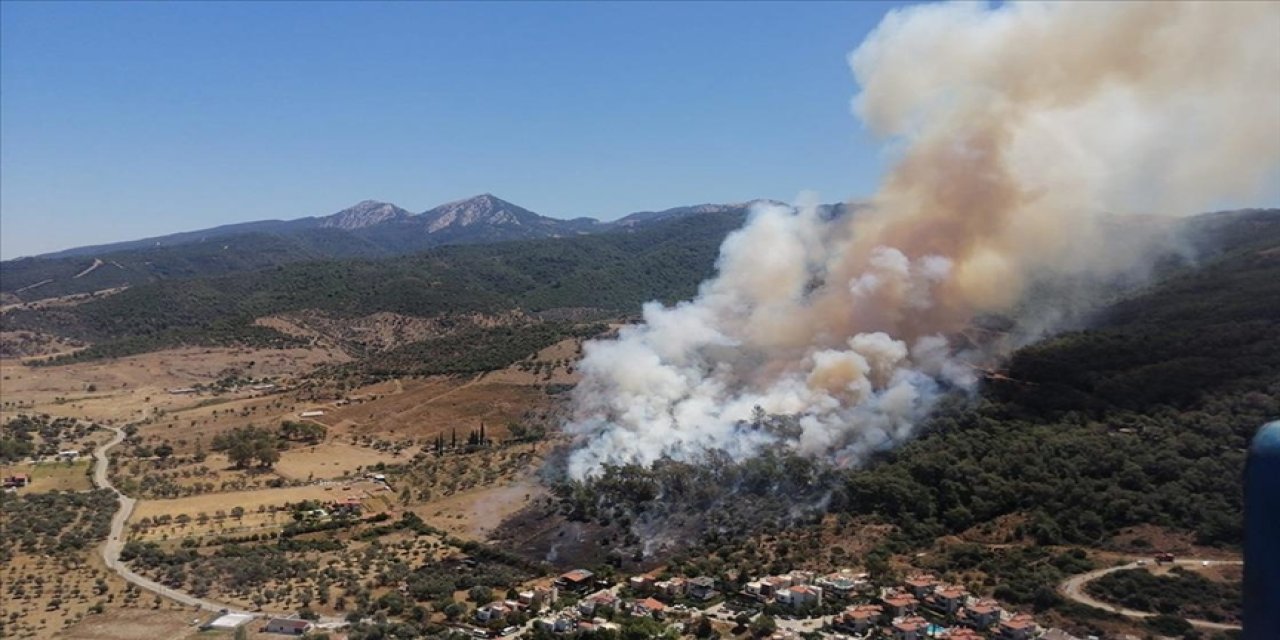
column 116, row 540
column 1073, row 588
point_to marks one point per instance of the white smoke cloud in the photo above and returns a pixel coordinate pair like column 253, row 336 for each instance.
column 1021, row 128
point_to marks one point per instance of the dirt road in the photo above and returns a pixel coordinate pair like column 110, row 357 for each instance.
column 116, row 539
column 1073, row 588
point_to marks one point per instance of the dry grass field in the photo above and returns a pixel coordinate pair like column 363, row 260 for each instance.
column 250, row 501
column 332, row 460
column 422, row 409
column 213, row 514
column 475, row 514
column 555, row 364
column 135, row 387
column 58, row 597
column 54, row 476
column 140, row 624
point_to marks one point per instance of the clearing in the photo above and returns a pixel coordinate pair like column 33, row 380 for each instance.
column 54, row 476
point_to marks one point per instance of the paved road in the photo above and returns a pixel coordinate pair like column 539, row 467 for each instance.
column 1073, row 588
column 116, row 539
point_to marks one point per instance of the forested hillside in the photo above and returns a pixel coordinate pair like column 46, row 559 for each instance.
column 38, row 278
column 369, row 230
column 1143, row 419
column 616, row 272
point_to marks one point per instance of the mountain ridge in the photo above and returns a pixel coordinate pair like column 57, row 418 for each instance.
column 453, row 215
column 369, row 229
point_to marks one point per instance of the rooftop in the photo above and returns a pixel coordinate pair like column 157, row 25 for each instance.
column 652, row 605
column 230, row 620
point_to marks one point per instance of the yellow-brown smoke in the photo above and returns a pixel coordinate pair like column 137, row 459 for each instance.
column 1019, row 129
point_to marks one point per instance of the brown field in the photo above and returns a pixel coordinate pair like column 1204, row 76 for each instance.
column 201, row 421
column 189, row 476
column 249, row 500
column 54, row 476
column 140, row 624
column 72, row 585
column 475, row 514
column 331, row 460
column 134, row 387
column 424, row 408
column 565, row 354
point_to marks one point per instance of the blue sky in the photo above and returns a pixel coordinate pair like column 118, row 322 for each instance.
column 125, row 119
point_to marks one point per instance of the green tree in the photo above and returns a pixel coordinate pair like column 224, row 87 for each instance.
column 763, row 626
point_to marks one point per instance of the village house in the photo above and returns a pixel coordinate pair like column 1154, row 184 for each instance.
column 181, row 391
column 555, row 624
column 576, row 581
column 910, row 628
column 802, row 577
column 648, row 607
column 600, row 599
column 68, row 455
column 288, row 626
column 899, row 604
column 673, row 588
column 769, row 588
column 920, row 585
column 981, row 614
column 962, row 633
column 948, row 598
column 348, row 506
column 496, row 610
column 598, row 624
column 640, row 584
column 491, row 611
column 801, row 595
column 17, row 481
column 1019, row 627
column 703, row 588
column 859, row 618
column 843, row 582
column 539, row 598
column 314, row 413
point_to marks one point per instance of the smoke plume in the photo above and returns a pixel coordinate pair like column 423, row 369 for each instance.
column 1018, row 132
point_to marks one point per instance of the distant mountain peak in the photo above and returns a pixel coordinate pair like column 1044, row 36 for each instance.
column 486, row 209
column 365, row 213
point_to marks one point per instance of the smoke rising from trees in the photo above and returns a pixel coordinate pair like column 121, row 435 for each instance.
column 1020, row 132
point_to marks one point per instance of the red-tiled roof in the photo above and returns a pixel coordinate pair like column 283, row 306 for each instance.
column 899, row 599
column 652, row 605
column 1020, row 621
column 864, row 611
column 911, row 624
